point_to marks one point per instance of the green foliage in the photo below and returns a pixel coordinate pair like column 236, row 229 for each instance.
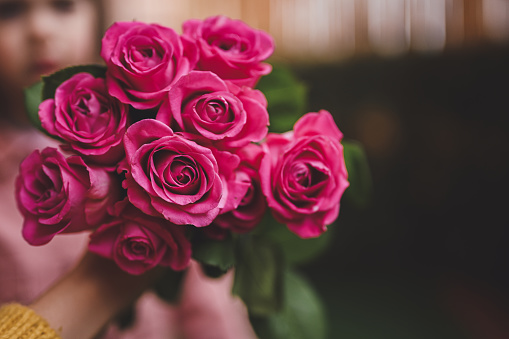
column 360, row 190
column 216, row 256
column 286, row 96
column 51, row 82
column 259, row 275
column 295, row 249
column 302, row 315
column 33, row 98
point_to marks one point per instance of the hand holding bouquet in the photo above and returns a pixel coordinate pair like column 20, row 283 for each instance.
column 165, row 155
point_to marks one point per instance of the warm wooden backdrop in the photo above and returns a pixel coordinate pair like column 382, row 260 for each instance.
column 330, row 30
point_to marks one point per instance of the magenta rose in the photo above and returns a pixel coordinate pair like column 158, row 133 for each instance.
column 231, row 49
column 144, row 60
column 303, row 174
column 252, row 206
column 61, row 195
column 171, row 176
column 201, row 103
column 138, row 242
column 90, row 121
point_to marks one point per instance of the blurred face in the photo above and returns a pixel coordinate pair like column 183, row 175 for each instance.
column 37, row 37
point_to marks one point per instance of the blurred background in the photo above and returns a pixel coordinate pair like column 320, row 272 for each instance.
column 423, row 85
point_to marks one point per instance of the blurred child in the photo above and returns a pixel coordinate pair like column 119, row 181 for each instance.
column 38, row 37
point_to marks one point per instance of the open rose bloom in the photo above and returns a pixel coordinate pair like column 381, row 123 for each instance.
column 168, row 143
column 303, row 174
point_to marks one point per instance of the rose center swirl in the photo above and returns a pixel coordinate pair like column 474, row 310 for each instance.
column 232, row 43
column 214, row 110
column 90, row 113
column 178, row 173
column 136, row 249
column 47, row 186
column 144, row 53
column 306, row 175
column 181, row 173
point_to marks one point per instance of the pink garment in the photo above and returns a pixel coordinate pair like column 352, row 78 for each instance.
column 27, row 271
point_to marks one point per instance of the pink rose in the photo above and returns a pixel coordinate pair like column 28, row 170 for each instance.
column 171, row 176
column 303, row 174
column 231, row 49
column 58, row 195
column 201, row 103
column 144, row 60
column 233, row 190
column 252, row 205
column 138, row 242
column 90, row 121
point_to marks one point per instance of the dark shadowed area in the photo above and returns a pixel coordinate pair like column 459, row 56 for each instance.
column 428, row 258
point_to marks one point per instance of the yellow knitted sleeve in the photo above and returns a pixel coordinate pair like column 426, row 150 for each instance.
column 20, row 322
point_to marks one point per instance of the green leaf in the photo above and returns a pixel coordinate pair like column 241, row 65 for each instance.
column 51, row 82
column 286, row 97
column 302, row 316
column 295, row 249
column 216, row 256
column 33, row 98
column 258, row 275
column 360, row 190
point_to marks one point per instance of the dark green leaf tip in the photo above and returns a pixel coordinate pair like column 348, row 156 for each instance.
column 51, row 82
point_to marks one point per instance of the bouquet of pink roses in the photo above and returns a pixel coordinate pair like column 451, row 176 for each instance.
column 165, row 155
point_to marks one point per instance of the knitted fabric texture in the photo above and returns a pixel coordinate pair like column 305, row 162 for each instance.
column 20, row 322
